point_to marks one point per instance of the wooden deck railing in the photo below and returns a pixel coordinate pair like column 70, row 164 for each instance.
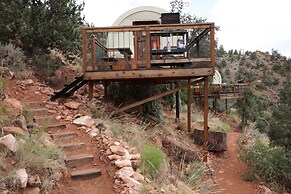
column 147, row 47
column 222, row 91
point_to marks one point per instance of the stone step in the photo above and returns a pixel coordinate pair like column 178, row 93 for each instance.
column 71, row 146
column 55, row 127
column 78, row 160
column 86, row 173
column 31, row 105
column 45, row 121
column 36, row 112
column 63, row 135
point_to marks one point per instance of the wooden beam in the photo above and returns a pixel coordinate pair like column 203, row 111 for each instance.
column 189, row 97
column 197, row 38
column 212, row 48
column 205, row 134
column 168, row 27
column 84, row 45
column 149, row 74
column 93, row 54
column 91, row 85
column 181, row 61
column 148, row 47
column 177, row 96
column 156, row 96
column 100, row 44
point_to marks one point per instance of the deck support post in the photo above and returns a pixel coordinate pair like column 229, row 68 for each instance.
column 106, row 84
column 226, row 105
column 215, row 105
column 189, row 97
column 205, row 134
column 177, row 103
column 90, row 96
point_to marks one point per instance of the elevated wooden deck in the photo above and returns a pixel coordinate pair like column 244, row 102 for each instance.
column 221, row 91
column 147, row 52
column 152, row 53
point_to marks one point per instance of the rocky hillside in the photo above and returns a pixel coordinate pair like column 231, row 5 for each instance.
column 265, row 71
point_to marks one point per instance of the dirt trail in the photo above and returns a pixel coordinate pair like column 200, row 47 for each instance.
column 229, row 170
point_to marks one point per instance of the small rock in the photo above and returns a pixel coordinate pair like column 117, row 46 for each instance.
column 124, row 172
column 69, row 118
column 5, row 72
column 34, row 181
column 118, row 150
column 266, row 189
column 84, row 121
column 116, row 143
column 28, row 82
column 20, row 121
column 114, row 157
column 137, row 176
column 126, row 156
column 72, row 105
column 22, row 177
column 135, row 156
column 133, row 183
column 10, row 142
column 108, row 152
column 122, row 163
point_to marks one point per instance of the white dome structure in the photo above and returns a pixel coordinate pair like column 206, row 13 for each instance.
column 143, row 13
column 217, row 78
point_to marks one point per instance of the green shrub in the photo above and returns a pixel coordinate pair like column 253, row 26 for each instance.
column 46, row 64
column 152, row 158
column 253, row 56
column 37, row 156
column 13, row 58
column 196, row 172
column 223, row 63
column 276, row 66
column 3, row 115
column 271, row 164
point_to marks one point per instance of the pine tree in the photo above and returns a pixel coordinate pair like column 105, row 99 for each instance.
column 280, row 124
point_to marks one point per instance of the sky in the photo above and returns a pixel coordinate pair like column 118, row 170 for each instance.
column 246, row 25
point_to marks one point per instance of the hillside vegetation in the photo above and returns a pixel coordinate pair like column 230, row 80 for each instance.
column 264, row 111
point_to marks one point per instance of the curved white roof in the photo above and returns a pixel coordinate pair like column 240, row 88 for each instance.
column 217, row 78
column 143, row 13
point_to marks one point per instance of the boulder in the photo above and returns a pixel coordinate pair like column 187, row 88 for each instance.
column 216, row 140
column 9, row 141
column 73, row 105
column 179, row 151
column 13, row 107
column 84, row 121
column 13, row 130
column 22, row 177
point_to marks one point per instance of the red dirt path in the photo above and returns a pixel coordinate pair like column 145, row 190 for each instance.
column 229, row 170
